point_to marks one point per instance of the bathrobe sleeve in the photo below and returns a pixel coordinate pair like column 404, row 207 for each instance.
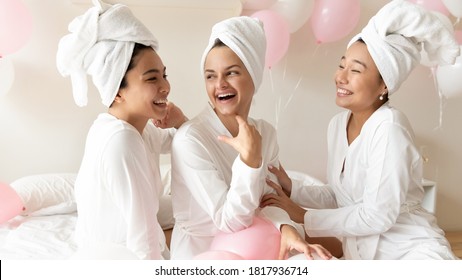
column 314, row 197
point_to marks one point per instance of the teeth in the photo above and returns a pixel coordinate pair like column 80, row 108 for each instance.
column 225, row 95
column 161, row 101
column 343, row 91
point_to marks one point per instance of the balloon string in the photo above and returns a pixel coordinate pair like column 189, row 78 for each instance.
column 316, row 50
column 293, row 92
column 285, row 68
column 274, row 93
column 440, row 126
column 441, row 99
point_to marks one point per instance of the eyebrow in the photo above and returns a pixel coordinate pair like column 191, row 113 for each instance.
column 227, row 68
column 357, row 61
column 153, row 71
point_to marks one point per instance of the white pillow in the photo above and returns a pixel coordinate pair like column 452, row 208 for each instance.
column 47, row 194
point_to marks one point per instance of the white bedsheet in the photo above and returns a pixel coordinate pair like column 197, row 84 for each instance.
column 38, row 237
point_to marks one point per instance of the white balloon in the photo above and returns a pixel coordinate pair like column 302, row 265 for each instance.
column 449, row 78
column 257, row 4
column 454, row 7
column 294, row 12
column 6, row 75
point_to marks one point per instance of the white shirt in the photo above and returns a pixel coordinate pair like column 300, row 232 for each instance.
column 376, row 200
column 212, row 189
column 118, row 187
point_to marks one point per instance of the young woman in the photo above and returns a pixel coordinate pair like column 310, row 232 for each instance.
column 374, row 192
column 219, row 158
column 118, row 185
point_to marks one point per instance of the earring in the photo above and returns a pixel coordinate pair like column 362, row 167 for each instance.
column 382, row 96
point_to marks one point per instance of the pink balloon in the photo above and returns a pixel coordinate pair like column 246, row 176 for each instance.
column 433, row 5
column 332, row 20
column 15, row 26
column 260, row 241
column 218, row 255
column 11, row 204
column 277, row 35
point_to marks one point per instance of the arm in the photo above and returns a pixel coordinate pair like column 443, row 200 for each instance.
column 297, row 213
column 305, row 194
column 291, row 240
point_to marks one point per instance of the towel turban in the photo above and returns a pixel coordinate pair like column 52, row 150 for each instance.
column 396, row 35
column 245, row 36
column 100, row 44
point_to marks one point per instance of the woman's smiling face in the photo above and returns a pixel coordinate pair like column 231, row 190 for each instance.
column 147, row 86
column 228, row 83
column 358, row 80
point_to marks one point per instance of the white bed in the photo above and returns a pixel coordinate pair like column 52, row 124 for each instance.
column 38, row 237
column 44, row 230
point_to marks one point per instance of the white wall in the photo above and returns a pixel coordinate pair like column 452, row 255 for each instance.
column 44, row 131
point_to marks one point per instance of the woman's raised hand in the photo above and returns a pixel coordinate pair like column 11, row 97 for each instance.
column 247, row 143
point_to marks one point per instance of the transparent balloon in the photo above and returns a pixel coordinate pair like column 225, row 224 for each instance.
column 295, row 12
column 433, row 5
column 449, row 78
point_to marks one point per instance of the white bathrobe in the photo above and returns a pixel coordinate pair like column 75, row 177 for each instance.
column 118, row 188
column 212, row 189
column 376, row 200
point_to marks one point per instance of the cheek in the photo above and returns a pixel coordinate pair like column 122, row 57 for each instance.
column 210, row 89
column 246, row 87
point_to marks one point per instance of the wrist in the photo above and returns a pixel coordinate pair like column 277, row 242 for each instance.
column 181, row 122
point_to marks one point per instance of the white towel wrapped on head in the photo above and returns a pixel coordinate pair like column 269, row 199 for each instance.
column 396, row 35
column 100, row 44
column 246, row 37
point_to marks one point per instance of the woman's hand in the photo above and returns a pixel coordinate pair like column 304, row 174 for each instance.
column 174, row 117
column 291, row 240
column 247, row 143
column 283, row 179
column 281, row 200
